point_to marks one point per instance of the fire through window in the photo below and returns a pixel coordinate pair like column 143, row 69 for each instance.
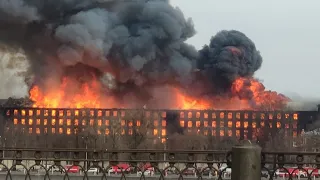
column 204, row 122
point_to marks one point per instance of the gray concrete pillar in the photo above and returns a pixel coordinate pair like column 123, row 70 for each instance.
column 246, row 161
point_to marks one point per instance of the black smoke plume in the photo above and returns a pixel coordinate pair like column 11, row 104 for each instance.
column 230, row 55
column 131, row 47
column 140, row 42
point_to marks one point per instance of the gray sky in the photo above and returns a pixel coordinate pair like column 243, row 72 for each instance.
column 286, row 32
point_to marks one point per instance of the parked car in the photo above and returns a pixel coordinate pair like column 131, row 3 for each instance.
column 146, row 173
column 315, row 172
column 148, row 169
column 72, row 169
column 206, row 172
column 53, row 168
column 171, row 171
column 189, row 171
column 93, row 170
column 226, row 171
column 291, row 170
column 120, row 167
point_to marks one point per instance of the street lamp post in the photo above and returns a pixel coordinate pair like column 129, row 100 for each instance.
column 165, row 155
column 46, row 135
column 104, row 143
column 95, row 142
column 3, row 144
column 85, row 138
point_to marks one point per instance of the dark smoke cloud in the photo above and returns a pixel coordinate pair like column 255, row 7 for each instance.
column 230, row 54
column 132, row 47
column 141, row 41
column 18, row 11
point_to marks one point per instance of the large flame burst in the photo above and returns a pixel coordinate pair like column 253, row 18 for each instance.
column 246, row 93
column 71, row 94
column 55, row 98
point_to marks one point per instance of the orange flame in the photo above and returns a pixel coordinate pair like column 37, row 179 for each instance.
column 58, row 98
column 89, row 95
column 270, row 100
column 186, row 102
column 247, row 94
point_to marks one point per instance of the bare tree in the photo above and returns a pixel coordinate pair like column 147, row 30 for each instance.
column 310, row 142
column 139, row 134
column 114, row 137
column 191, row 139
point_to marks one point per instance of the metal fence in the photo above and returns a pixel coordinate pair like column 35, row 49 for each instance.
column 245, row 162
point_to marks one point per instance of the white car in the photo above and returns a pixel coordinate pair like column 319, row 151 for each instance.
column 93, row 170
column 52, row 168
column 113, row 171
column 226, row 171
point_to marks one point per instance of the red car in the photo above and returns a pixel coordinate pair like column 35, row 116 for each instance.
column 119, row 168
column 72, row 169
column 315, row 172
column 147, row 166
column 292, row 170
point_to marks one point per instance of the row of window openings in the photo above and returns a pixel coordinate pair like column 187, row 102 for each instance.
column 223, row 115
column 229, row 133
column 237, row 124
column 68, row 131
column 76, row 122
column 156, row 132
column 214, row 115
column 155, row 123
column 77, row 113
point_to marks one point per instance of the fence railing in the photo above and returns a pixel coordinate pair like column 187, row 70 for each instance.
column 243, row 162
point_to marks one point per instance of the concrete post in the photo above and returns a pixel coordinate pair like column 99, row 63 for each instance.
column 246, row 161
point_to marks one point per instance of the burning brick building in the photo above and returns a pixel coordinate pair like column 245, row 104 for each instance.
column 95, row 56
column 43, row 125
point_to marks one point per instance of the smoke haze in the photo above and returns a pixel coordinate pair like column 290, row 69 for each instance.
column 13, row 66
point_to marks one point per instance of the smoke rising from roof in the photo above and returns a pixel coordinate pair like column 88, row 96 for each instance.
column 138, row 35
column 230, row 54
column 131, row 47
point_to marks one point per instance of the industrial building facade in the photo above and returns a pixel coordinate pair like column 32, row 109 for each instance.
column 70, row 122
